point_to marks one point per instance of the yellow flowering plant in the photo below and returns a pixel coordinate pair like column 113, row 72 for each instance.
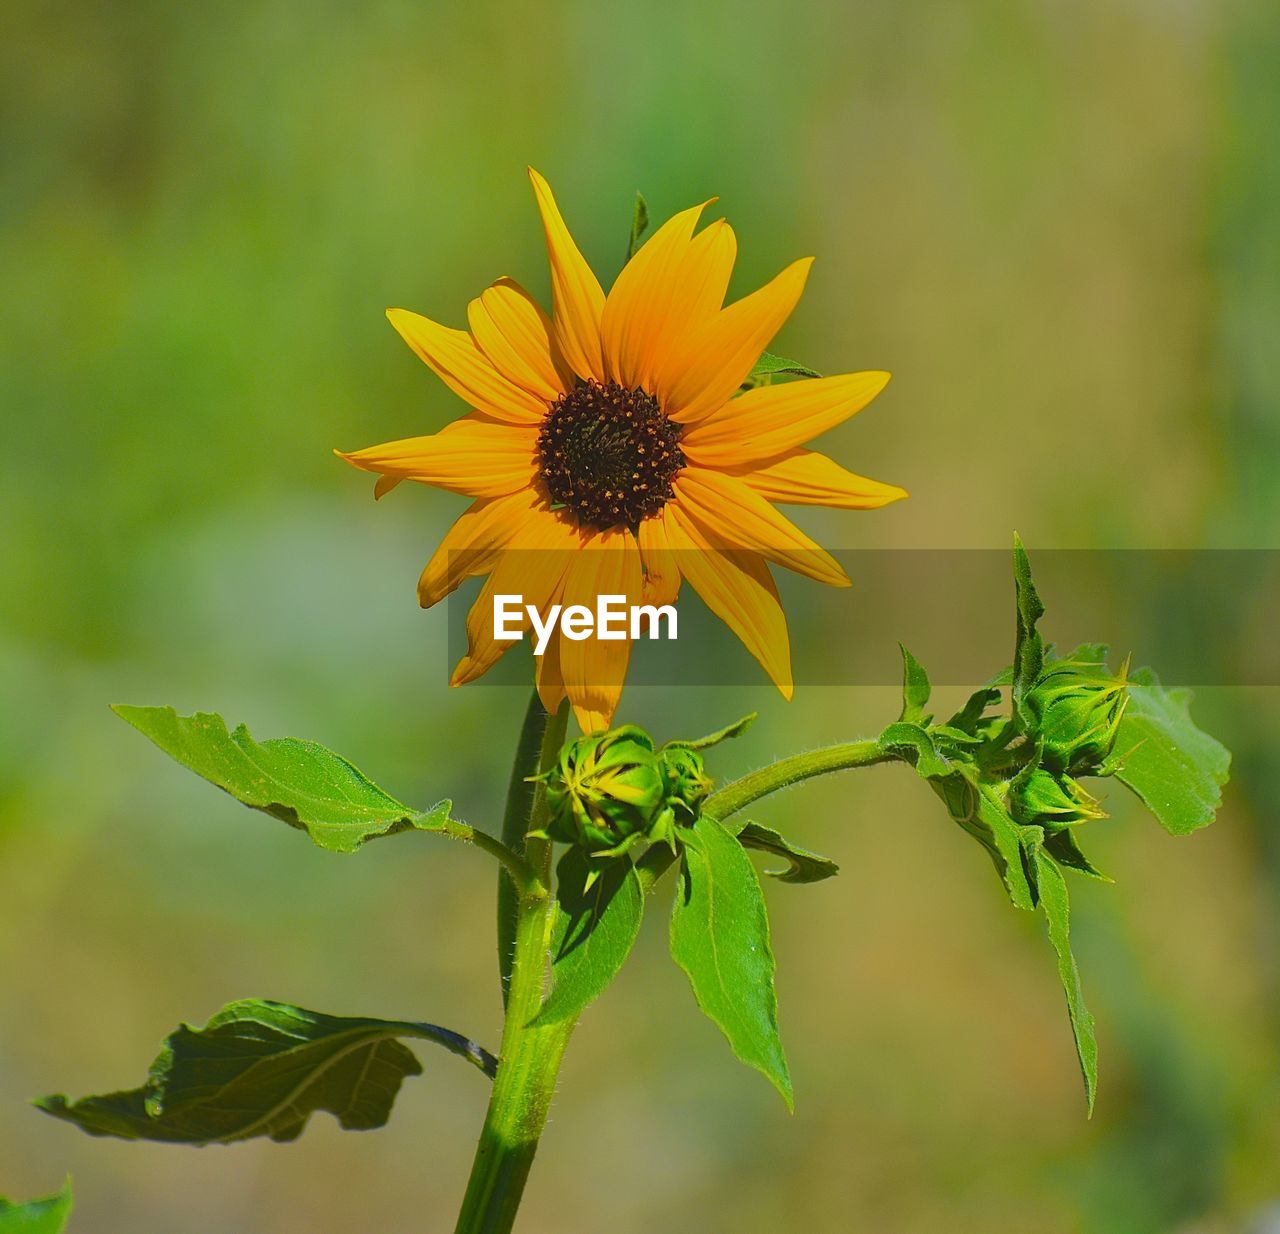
column 625, row 444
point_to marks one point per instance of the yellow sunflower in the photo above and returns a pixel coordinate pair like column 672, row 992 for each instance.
column 610, row 452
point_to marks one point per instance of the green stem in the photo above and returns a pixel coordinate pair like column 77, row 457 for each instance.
column 738, row 794
column 515, row 822
column 518, row 874
column 529, row 1058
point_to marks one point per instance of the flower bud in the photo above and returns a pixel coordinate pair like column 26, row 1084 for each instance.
column 1038, row 797
column 1076, row 708
column 685, row 779
column 605, row 790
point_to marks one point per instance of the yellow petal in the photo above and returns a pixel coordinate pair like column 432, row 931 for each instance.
column 474, row 543
column 383, row 485
column 638, row 303
column 472, row 456
column 548, row 677
column 700, row 287
column 714, row 360
column 576, row 298
column 731, row 513
column 767, row 422
column 533, row 566
column 466, row 370
column 807, row 478
column 595, row 668
column 737, row 587
column 511, row 329
column 661, row 570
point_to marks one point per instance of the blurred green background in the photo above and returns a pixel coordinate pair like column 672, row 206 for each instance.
column 1056, row 223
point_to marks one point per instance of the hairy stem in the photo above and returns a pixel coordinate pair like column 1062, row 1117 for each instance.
column 738, row 794
column 517, row 873
column 515, row 822
column 529, row 1058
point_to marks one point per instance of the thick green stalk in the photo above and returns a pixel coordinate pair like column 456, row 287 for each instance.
column 529, row 1057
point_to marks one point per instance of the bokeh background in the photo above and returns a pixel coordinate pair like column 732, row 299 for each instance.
column 1055, row 222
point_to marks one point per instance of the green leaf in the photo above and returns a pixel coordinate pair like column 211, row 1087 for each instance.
column 1028, row 655
column 1177, row 769
column 595, row 928
column 1055, row 906
column 915, row 689
column 976, row 804
column 972, row 718
column 262, row 1068
column 47, row 1216
column 300, row 782
column 720, row 937
column 804, row 867
column 770, row 366
column 736, row 729
column 918, row 743
column 1065, row 849
column 639, row 225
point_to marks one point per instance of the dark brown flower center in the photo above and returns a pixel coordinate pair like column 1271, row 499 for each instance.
column 609, row 454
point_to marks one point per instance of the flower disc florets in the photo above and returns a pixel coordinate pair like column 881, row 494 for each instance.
column 609, row 454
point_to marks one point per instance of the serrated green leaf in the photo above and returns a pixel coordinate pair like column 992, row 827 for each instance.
column 915, row 689
column 594, row 931
column 1028, row 655
column 47, row 1216
column 770, row 366
column 262, row 1068
column 1055, row 906
column 720, row 937
column 1177, row 769
column 918, row 742
column 639, row 225
column 302, row 783
column 804, row 866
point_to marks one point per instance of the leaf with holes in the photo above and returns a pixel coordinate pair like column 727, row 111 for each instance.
column 261, row 1068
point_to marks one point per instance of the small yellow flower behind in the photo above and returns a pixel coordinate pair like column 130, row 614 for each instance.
column 609, row 451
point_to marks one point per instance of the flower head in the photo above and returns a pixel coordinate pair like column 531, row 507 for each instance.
column 610, row 451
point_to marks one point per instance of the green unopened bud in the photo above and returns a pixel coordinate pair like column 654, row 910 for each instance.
column 686, row 779
column 1050, row 801
column 605, row 790
column 610, row 791
column 1076, row 709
